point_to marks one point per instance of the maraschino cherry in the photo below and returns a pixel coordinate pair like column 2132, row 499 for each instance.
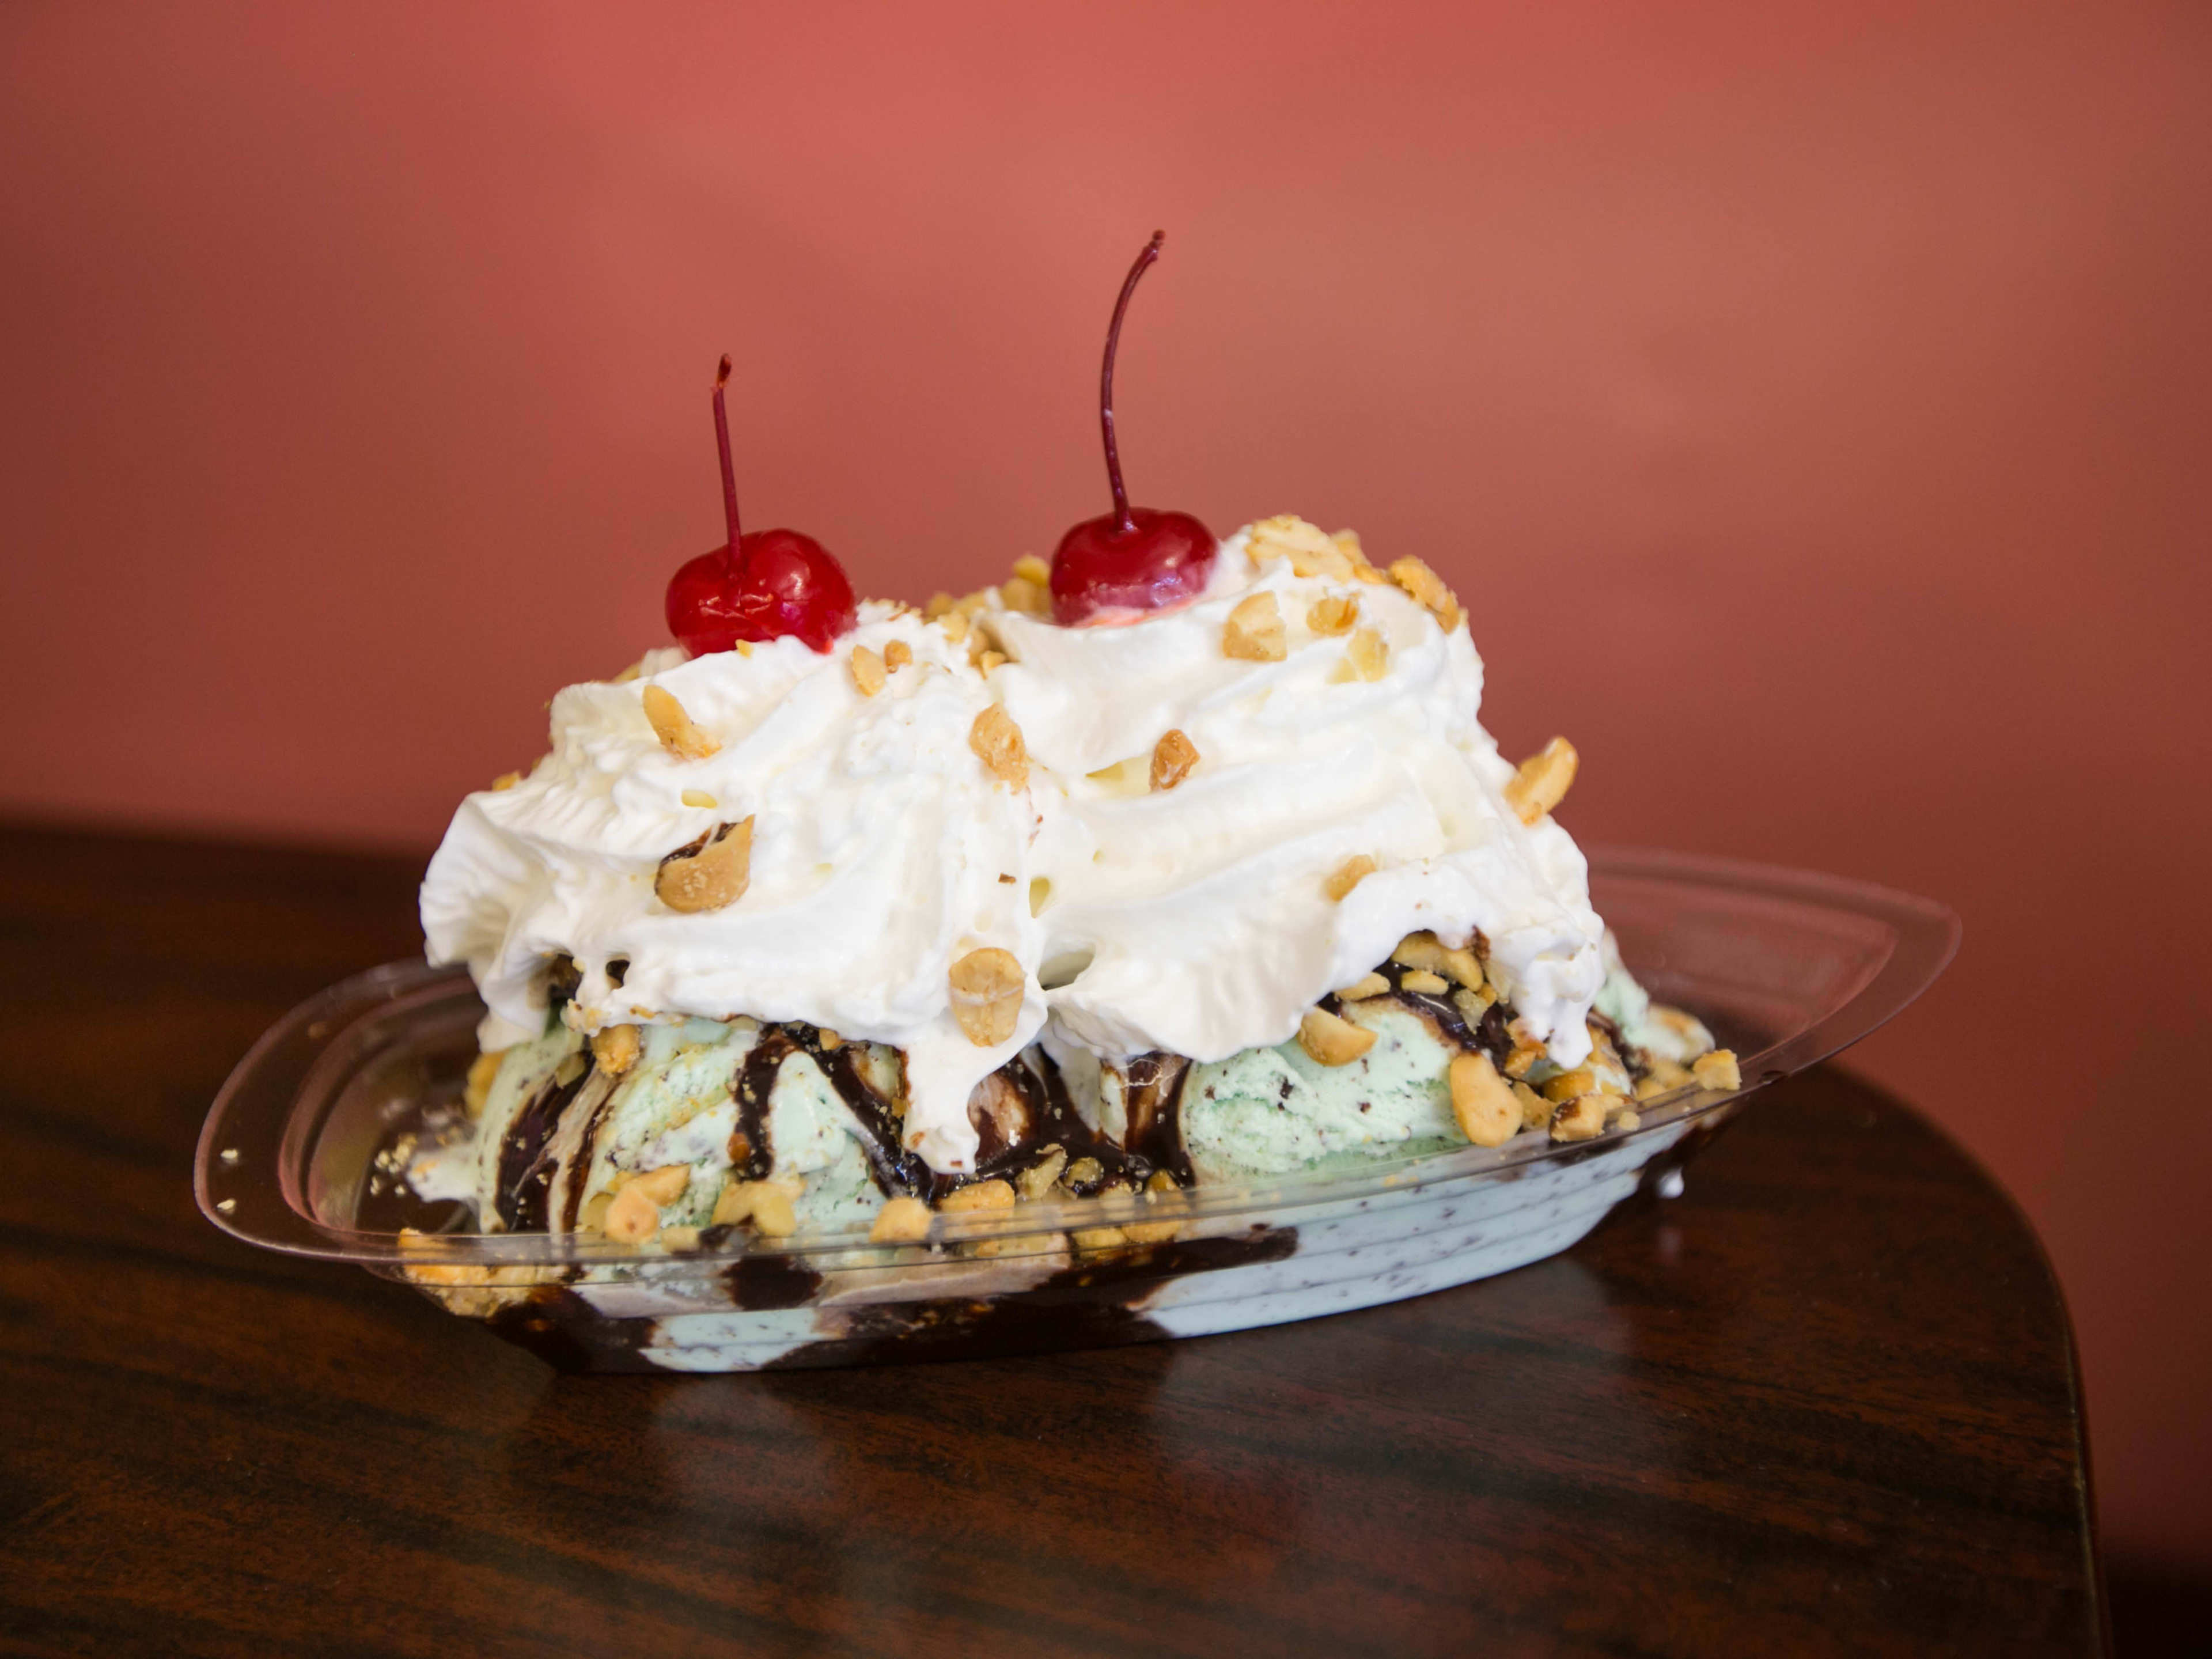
column 760, row 585
column 1135, row 558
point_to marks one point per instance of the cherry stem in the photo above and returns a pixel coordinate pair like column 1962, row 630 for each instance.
column 1123, row 524
column 722, row 441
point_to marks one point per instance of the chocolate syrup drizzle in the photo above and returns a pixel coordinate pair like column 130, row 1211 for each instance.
column 1027, row 1114
column 1023, row 1114
column 526, row 1165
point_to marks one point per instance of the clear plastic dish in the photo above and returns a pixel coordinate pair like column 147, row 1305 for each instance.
column 1786, row 966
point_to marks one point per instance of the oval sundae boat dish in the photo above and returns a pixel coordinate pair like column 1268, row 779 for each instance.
column 328, row 1139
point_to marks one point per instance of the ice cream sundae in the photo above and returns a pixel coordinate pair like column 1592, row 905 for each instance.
column 1168, row 863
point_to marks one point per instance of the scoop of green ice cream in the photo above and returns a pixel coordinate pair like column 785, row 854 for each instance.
column 1269, row 1111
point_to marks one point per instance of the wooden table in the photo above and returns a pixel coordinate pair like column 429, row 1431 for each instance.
column 1826, row 1403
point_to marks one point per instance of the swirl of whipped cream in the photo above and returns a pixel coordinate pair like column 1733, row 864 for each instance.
column 1197, row 919
column 882, row 851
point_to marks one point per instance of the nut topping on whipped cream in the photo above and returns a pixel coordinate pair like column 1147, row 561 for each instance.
column 709, row 871
column 997, row 741
column 677, row 735
column 1173, row 756
column 853, row 829
column 1542, row 781
column 1347, row 876
column 1253, row 632
column 987, row 987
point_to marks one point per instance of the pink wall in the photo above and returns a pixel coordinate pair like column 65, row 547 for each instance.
column 1814, row 412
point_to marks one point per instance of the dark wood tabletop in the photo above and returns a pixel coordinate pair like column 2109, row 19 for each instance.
column 1824, row 1403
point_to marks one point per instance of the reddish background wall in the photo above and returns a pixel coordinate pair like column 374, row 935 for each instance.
column 1814, row 412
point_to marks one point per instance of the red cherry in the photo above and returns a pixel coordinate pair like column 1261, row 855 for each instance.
column 779, row 582
column 761, row 585
column 1134, row 559
column 1162, row 559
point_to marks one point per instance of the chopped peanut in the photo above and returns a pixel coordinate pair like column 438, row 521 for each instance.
column 1036, row 1180
column 1347, row 876
column 633, row 1217
column 734, row 1203
column 1332, row 1040
column 1427, row 589
column 664, row 1185
column 1082, row 1172
column 988, row 660
column 700, row 798
column 997, row 744
column 1098, row 1238
column 1541, row 781
column 709, row 872
column 766, row 1204
column 1367, row 985
column 901, row 1221
column 977, row 1196
column 772, row 1215
column 1474, row 1004
column 677, row 735
column 1422, row 982
column 1149, row 1232
column 505, row 782
column 897, row 653
column 1311, row 551
column 1254, row 630
column 1718, row 1070
column 1569, row 1085
column 616, row 1049
column 1581, row 1118
column 680, row 1238
column 1173, row 756
column 1366, row 657
column 1426, row 951
column 1522, row 1056
column 1032, row 598
column 867, row 671
column 940, row 604
column 1031, row 568
column 987, row 988
column 1334, row 615
column 482, row 1072
column 1483, row 1102
column 1535, row 1110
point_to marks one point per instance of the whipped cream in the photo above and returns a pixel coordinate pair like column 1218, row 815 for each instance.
column 882, row 852
column 1196, row 919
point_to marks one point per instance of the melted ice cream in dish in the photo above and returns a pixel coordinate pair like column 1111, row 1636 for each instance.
column 975, row 910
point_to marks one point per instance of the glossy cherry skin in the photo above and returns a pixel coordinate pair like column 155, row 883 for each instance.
column 776, row 583
column 1164, row 560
